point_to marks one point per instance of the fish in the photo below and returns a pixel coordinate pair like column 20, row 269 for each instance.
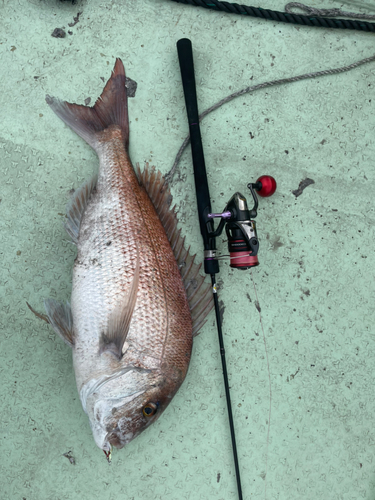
column 138, row 298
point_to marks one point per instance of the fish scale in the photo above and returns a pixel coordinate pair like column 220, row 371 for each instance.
column 119, row 210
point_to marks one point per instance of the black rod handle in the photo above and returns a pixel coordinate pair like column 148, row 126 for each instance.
column 185, row 56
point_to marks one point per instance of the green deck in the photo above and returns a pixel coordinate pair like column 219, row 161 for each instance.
column 315, row 284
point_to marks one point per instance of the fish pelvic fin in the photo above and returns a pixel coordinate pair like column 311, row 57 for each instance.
column 110, row 110
column 76, row 208
column 119, row 321
column 198, row 290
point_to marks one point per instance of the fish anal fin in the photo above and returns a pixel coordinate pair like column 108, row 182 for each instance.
column 119, row 322
column 60, row 318
column 197, row 289
column 76, row 207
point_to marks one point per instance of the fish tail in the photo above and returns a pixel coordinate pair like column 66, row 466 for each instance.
column 110, row 110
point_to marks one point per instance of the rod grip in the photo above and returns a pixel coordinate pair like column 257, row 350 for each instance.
column 185, row 56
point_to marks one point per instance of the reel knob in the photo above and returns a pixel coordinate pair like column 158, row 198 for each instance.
column 265, row 186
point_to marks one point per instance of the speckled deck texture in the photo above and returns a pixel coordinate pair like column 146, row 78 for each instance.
column 302, row 387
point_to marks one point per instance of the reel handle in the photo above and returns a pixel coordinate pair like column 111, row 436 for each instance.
column 265, row 186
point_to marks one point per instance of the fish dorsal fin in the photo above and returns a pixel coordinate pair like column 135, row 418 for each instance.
column 198, row 291
column 119, row 322
column 76, row 207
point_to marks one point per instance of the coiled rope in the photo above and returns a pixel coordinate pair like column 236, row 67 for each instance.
column 288, row 16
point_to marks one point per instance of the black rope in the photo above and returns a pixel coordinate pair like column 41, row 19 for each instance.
column 284, row 17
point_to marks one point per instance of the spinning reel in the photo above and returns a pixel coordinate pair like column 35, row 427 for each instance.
column 243, row 243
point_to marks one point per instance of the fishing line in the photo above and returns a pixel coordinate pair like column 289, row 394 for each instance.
column 236, row 218
column 312, row 20
column 269, row 381
column 253, row 88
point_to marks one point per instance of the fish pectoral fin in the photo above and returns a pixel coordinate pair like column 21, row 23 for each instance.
column 76, row 207
column 59, row 316
column 119, row 322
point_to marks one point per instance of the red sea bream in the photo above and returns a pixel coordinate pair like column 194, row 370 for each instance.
column 137, row 296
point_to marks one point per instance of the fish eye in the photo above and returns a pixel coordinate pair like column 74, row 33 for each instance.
column 150, row 409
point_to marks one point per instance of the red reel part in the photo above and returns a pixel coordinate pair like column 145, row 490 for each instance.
column 267, row 186
column 242, row 260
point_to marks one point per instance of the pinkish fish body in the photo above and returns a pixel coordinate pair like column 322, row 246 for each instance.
column 137, row 297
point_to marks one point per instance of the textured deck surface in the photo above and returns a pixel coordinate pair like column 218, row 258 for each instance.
column 315, row 284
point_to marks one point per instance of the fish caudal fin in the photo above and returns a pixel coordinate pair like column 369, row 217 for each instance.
column 198, row 291
column 111, row 109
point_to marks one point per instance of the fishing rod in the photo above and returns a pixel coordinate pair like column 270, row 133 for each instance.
column 237, row 219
